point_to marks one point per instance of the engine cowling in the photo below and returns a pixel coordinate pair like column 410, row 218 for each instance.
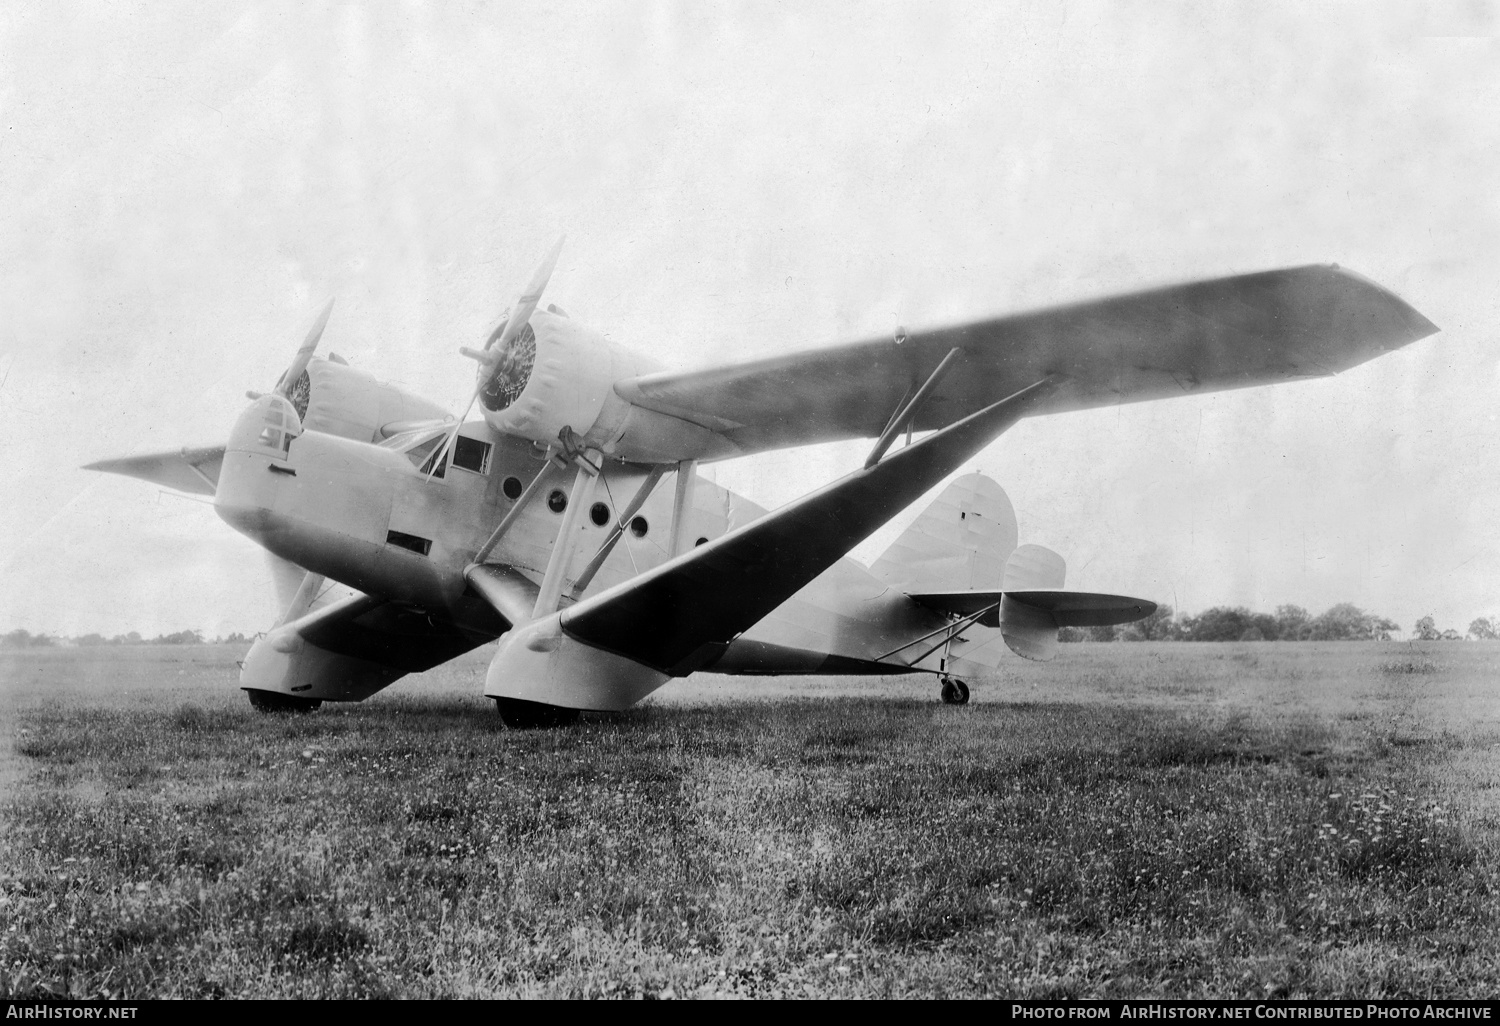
column 336, row 399
column 557, row 376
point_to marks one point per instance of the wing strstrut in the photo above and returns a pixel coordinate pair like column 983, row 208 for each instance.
column 950, row 632
column 515, row 511
column 618, row 531
column 902, row 418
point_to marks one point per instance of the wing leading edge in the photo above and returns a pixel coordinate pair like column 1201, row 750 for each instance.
column 1234, row 332
column 187, row 470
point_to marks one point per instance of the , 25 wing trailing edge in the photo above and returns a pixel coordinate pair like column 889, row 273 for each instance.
column 1249, row 329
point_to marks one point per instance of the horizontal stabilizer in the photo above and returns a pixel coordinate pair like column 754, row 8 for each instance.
column 187, row 470
column 1085, row 609
column 1067, row 608
column 964, row 603
column 1029, row 620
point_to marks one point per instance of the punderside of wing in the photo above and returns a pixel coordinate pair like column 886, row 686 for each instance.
column 353, row 647
column 389, row 634
column 1234, row 332
column 187, row 470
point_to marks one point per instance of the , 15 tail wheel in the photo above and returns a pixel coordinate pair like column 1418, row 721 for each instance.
column 955, row 691
column 273, row 701
column 518, row 714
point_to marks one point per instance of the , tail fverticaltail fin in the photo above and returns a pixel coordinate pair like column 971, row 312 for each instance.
column 960, row 542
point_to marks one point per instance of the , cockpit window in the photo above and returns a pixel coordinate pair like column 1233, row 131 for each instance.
column 512, row 370
column 279, row 425
column 420, row 447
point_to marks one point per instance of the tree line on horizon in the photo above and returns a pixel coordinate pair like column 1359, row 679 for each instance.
column 1343, row 622
column 25, row 639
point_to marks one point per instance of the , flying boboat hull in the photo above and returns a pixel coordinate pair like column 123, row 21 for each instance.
column 570, row 522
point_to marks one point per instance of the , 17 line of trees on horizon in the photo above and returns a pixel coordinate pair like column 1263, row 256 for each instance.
column 1343, row 622
column 25, row 639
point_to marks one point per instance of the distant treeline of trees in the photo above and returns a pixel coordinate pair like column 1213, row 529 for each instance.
column 1343, row 622
column 25, row 639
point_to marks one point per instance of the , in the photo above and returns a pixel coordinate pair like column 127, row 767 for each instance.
column 410, row 536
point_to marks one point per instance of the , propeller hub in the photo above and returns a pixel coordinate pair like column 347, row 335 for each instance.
column 299, row 393
column 506, row 378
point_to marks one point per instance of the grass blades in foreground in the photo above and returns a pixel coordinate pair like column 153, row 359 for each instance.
column 825, row 847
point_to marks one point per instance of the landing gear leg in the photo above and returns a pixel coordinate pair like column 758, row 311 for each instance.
column 955, row 691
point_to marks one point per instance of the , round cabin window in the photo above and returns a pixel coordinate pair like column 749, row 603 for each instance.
column 638, row 527
column 557, row 501
column 599, row 514
column 512, row 488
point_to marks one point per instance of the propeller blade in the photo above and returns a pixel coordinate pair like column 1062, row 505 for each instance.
column 304, row 354
column 520, row 315
column 526, row 305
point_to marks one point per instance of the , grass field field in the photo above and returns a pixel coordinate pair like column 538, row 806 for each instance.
column 1243, row 820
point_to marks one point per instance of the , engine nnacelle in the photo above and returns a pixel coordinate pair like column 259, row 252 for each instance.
column 555, row 374
column 351, row 403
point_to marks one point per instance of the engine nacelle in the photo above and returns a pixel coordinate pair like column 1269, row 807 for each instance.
column 336, row 399
column 556, row 374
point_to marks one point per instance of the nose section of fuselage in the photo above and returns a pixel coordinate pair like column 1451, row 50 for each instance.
column 255, row 461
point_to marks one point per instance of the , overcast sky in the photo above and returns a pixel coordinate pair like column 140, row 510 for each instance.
column 185, row 184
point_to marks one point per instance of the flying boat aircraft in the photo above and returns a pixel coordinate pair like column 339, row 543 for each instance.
column 570, row 522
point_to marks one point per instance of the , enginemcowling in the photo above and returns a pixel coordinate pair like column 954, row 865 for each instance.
column 350, row 403
column 559, row 374
column 567, row 373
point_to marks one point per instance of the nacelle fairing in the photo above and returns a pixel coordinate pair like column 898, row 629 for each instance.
column 556, row 374
column 336, row 399
column 557, row 377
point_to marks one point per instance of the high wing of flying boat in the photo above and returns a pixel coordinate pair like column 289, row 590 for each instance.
column 403, row 536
